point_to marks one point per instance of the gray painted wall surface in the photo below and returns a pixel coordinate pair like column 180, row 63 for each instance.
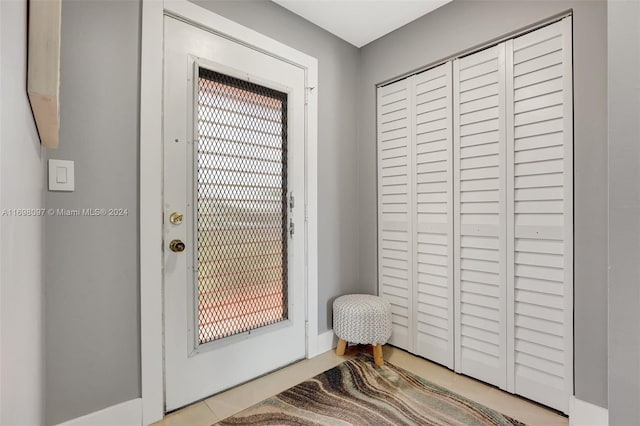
column 459, row 26
column 338, row 105
column 91, row 274
column 21, row 251
column 624, row 212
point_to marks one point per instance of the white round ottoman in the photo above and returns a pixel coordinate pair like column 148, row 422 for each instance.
column 362, row 319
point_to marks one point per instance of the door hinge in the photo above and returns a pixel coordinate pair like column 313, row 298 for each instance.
column 307, row 90
column 292, row 229
column 291, row 201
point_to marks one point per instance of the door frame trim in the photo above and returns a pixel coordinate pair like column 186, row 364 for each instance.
column 150, row 195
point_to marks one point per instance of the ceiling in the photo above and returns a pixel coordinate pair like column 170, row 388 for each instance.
column 361, row 21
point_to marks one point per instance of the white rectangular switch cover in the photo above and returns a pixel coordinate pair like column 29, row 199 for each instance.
column 61, row 175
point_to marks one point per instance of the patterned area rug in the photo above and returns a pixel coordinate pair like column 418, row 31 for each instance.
column 358, row 393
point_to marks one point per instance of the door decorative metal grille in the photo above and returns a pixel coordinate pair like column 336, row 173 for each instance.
column 241, row 209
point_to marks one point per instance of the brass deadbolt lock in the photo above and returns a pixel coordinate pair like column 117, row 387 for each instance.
column 176, row 246
column 176, row 218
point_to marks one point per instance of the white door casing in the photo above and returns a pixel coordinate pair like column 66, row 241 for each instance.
column 194, row 371
column 151, row 194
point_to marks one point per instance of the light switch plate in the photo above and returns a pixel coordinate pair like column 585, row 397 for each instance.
column 61, row 177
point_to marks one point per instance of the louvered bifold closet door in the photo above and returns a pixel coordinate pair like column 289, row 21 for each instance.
column 433, row 176
column 395, row 238
column 540, row 208
column 479, row 209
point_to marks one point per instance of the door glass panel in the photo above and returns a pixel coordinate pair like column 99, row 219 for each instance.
column 241, row 209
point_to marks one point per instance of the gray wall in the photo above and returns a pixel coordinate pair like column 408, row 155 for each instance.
column 91, row 274
column 624, row 212
column 21, row 260
column 459, row 26
column 338, row 157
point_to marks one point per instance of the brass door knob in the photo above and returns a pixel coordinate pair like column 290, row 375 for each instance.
column 176, row 246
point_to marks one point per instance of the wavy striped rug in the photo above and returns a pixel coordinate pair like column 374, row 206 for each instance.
column 358, row 393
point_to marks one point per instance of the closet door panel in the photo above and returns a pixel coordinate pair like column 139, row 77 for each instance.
column 540, row 203
column 475, row 213
column 479, row 206
column 434, row 219
column 395, row 208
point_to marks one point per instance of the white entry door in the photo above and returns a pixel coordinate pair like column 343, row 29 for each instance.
column 234, row 289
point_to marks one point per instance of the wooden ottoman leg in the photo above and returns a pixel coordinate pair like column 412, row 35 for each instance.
column 377, row 355
column 342, row 346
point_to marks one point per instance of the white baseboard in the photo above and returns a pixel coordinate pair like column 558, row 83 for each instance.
column 327, row 341
column 323, row 342
column 582, row 413
column 128, row 413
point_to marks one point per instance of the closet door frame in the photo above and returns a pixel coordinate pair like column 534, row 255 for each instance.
column 569, row 195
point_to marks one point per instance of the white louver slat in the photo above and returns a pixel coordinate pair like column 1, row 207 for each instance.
column 479, row 206
column 540, row 203
column 395, row 234
column 433, row 226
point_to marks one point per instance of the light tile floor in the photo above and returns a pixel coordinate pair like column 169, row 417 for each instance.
column 225, row 404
